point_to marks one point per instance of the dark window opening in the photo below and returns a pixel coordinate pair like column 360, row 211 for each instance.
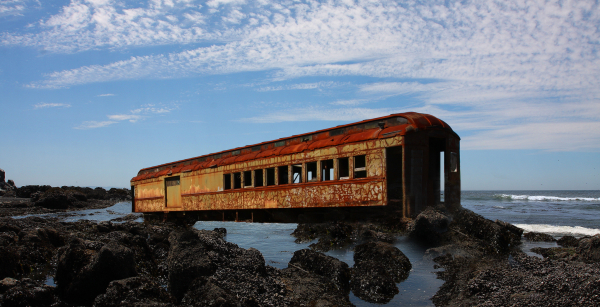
column 283, row 174
column 327, row 170
column 297, row 173
column 343, row 168
column 237, row 180
column 360, row 167
column 280, row 143
column 337, row 132
column 227, row 181
column 270, row 176
column 248, row 179
column 258, row 178
column 311, row 171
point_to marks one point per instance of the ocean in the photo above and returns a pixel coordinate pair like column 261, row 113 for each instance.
column 557, row 213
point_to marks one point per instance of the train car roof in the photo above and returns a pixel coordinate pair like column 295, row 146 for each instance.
column 353, row 132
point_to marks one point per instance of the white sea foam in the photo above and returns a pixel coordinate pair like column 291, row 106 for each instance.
column 577, row 231
column 546, row 198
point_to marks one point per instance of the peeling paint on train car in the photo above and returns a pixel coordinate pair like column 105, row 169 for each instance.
column 228, row 180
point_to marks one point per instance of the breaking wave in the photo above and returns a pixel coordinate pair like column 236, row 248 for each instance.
column 577, row 231
column 543, row 198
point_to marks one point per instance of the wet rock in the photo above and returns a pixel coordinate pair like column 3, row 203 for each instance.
column 55, row 198
column 331, row 235
column 204, row 292
column 372, row 283
column 557, row 253
column 188, row 259
column 134, row 291
column 429, row 226
column 331, row 268
column 104, row 227
column 82, row 274
column 589, row 249
column 221, row 231
column 568, row 241
column 304, row 288
column 28, row 190
column 538, row 237
column 520, row 280
column 450, row 249
column 26, row 292
column 42, row 236
column 370, row 235
column 496, row 237
column 395, row 263
column 8, row 238
column 10, row 265
column 7, row 283
column 378, row 266
column 76, row 195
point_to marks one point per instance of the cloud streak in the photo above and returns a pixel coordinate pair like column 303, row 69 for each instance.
column 43, row 105
column 133, row 116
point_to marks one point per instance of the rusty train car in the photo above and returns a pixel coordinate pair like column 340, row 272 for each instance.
column 355, row 171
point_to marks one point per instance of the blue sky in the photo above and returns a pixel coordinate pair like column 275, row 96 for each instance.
column 91, row 91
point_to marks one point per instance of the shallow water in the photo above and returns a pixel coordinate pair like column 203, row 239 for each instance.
column 117, row 210
column 277, row 245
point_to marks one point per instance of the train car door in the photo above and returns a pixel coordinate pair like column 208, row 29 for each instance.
column 173, row 189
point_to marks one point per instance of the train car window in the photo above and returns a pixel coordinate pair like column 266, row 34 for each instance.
column 327, row 170
column 283, row 174
column 297, row 173
column 258, row 178
column 343, row 168
column 237, row 180
column 247, row 179
column 360, row 166
column 227, row 181
column 311, row 171
column 270, row 172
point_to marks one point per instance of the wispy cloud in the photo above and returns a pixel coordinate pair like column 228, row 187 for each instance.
column 43, row 105
column 133, row 116
column 94, row 124
column 105, row 95
column 320, row 113
column 16, row 7
column 300, row 86
column 130, row 117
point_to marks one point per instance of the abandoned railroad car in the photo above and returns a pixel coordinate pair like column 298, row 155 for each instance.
column 396, row 162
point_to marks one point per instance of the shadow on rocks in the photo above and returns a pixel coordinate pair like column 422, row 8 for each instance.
column 82, row 273
column 134, row 291
column 378, row 266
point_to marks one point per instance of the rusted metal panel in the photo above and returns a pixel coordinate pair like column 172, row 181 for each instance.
column 339, row 194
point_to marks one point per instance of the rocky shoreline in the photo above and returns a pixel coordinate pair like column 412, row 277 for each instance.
column 48, row 262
